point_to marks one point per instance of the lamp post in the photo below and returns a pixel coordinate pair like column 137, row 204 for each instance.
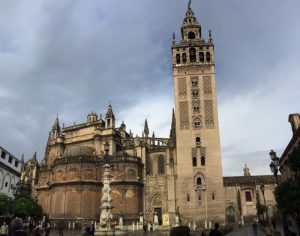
column 274, row 166
column 262, row 189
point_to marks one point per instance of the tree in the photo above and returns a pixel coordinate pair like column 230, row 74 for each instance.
column 261, row 209
column 287, row 196
column 26, row 206
column 5, row 204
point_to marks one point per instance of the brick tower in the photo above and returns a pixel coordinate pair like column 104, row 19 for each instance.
column 200, row 192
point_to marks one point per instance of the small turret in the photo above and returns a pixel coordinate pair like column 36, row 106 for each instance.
column 92, row 117
column 210, row 39
column 34, row 157
column 109, row 118
column 55, row 131
column 146, row 129
column 123, row 126
column 246, row 171
column 174, row 39
column 190, row 29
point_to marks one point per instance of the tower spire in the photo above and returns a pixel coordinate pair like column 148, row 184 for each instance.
column 146, row 128
column 172, row 142
column 56, row 125
column 109, row 118
column 189, row 5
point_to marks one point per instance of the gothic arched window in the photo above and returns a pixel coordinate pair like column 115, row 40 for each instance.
column 192, row 55
column 197, row 123
column 191, row 35
column 161, row 167
column 208, row 56
column 195, row 93
column 198, row 141
column 194, row 161
column 194, row 82
column 201, row 56
column 178, row 58
column 199, row 181
column 202, row 161
column 196, row 108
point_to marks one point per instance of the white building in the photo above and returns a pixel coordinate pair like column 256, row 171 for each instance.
column 10, row 168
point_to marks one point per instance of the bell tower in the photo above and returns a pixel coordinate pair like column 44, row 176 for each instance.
column 200, row 191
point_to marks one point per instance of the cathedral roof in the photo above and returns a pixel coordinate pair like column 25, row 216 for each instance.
column 249, row 180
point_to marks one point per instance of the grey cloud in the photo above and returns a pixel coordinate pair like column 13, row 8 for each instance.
column 71, row 57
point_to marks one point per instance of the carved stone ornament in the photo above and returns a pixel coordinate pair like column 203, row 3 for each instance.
column 192, row 69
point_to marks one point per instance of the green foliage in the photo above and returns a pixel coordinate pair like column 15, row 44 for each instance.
column 5, row 204
column 287, row 196
column 260, row 208
column 25, row 206
column 294, row 160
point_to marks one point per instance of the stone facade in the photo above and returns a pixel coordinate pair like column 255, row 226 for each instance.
column 180, row 175
column 286, row 172
column 242, row 194
column 10, row 168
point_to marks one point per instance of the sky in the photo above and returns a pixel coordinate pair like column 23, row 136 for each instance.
column 71, row 57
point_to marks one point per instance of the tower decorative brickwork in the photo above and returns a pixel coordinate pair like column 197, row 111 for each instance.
column 200, row 193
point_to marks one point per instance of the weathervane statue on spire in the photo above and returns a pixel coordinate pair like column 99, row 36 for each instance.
column 189, row 6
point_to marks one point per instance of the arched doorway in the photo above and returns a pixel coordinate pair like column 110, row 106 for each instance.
column 157, row 208
column 230, row 218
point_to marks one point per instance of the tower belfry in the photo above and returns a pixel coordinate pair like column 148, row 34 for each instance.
column 200, row 194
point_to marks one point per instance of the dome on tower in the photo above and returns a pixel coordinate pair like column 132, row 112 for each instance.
column 92, row 117
column 79, row 151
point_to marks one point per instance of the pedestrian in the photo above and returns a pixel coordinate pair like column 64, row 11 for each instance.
column 37, row 230
column 215, row 231
column 48, row 228
column 274, row 224
column 92, row 229
column 61, row 229
column 4, row 229
column 254, row 226
column 17, row 227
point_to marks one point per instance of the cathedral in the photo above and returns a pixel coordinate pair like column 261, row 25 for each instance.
column 179, row 175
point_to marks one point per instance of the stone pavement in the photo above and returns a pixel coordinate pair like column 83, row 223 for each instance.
column 245, row 231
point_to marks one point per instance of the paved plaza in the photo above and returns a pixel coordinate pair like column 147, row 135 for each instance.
column 245, row 231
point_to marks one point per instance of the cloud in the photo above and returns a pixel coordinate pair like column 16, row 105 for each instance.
column 72, row 56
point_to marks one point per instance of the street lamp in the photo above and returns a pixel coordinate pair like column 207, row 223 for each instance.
column 274, row 166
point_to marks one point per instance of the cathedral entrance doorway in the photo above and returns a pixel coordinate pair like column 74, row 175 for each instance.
column 159, row 214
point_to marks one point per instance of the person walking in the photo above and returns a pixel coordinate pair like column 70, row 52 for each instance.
column 92, row 229
column 4, row 229
column 48, row 228
column 61, row 228
column 38, row 230
column 215, row 231
column 254, row 226
column 16, row 227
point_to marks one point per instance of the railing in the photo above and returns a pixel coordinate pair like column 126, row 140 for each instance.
column 96, row 160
